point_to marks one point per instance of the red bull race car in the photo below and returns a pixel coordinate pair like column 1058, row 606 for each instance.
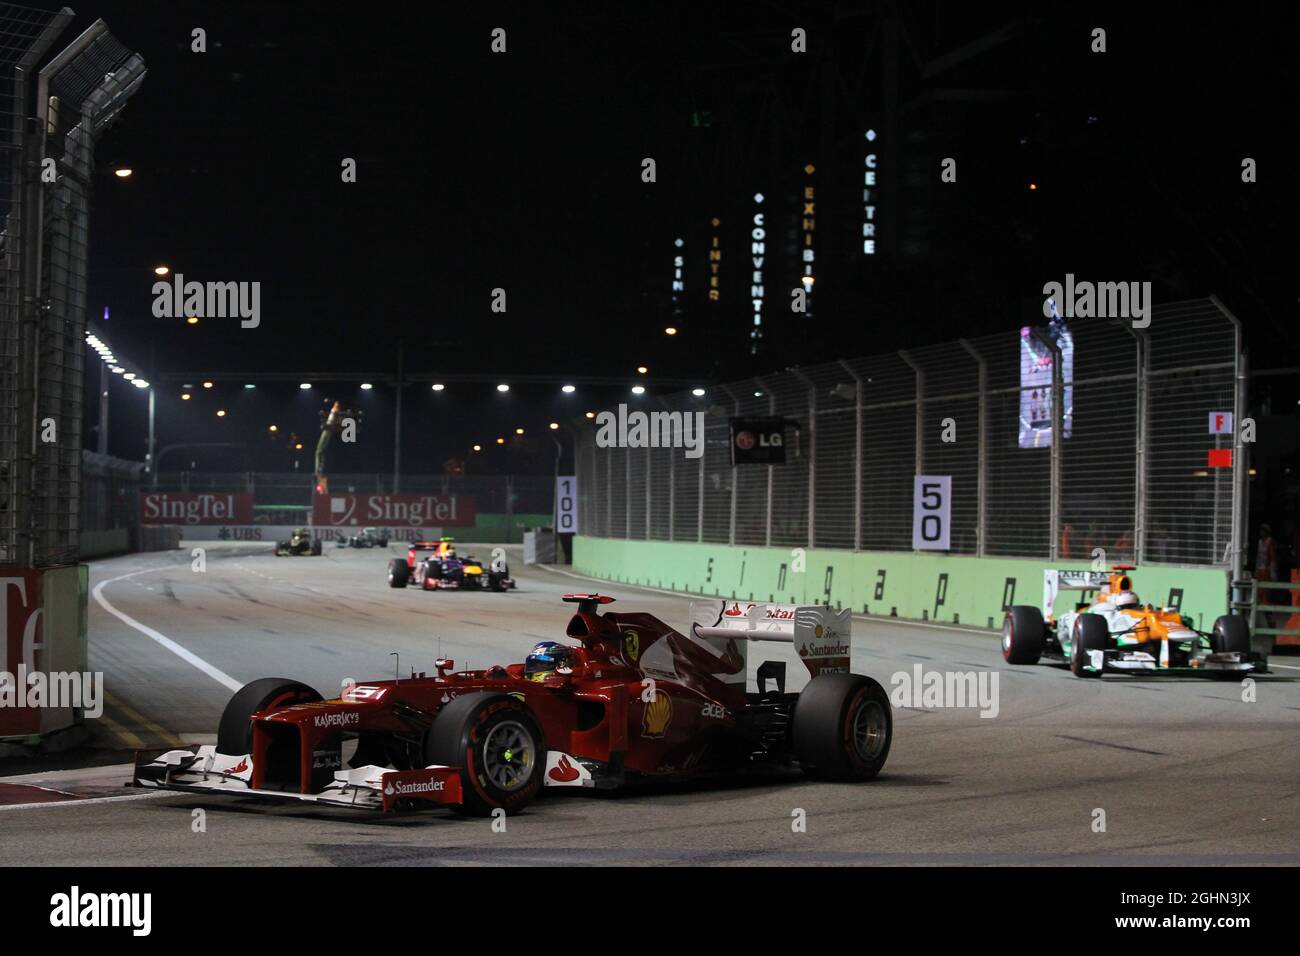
column 1116, row 633
column 435, row 566
column 628, row 699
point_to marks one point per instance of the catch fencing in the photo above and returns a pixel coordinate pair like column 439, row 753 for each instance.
column 1134, row 480
column 50, row 121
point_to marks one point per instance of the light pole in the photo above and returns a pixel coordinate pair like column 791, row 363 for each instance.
column 148, row 455
column 555, row 488
column 104, row 382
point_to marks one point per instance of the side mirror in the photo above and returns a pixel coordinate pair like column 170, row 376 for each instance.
column 444, row 664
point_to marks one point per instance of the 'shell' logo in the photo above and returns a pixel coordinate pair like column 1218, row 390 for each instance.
column 658, row 715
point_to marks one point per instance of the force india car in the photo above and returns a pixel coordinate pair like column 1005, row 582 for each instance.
column 434, row 565
column 634, row 701
column 1116, row 633
column 300, row 542
column 368, row 538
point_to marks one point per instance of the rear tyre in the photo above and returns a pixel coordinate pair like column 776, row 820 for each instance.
column 496, row 745
column 235, row 732
column 1091, row 633
column 315, row 546
column 1231, row 634
column 399, row 572
column 842, row 727
column 1023, row 634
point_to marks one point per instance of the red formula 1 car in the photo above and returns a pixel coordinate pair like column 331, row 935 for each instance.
column 435, row 566
column 634, row 700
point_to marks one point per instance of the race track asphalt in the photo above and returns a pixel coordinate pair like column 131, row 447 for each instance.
column 1182, row 770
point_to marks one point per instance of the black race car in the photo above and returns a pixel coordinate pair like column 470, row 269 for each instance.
column 300, row 542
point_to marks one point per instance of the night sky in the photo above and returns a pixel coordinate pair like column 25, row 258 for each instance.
column 522, row 171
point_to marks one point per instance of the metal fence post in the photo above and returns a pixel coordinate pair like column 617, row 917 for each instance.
column 1141, row 394
column 731, row 526
column 1058, row 426
column 672, row 490
column 627, row 493
column 1240, row 466
column 771, row 410
column 649, row 480
column 857, row 454
column 812, row 455
column 920, row 409
column 609, row 495
column 699, row 503
column 982, row 459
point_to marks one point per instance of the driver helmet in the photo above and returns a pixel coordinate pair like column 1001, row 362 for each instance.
column 1125, row 599
column 545, row 659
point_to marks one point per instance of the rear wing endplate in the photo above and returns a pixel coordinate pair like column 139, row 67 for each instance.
column 820, row 635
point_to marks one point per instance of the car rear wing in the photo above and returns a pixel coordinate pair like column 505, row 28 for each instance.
column 1055, row 581
column 820, row 635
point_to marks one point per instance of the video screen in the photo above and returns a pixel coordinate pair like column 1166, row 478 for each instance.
column 1036, row 384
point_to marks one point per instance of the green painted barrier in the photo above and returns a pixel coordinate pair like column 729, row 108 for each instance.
column 500, row 528
column 918, row 586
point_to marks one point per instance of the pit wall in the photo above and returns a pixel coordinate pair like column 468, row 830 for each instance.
column 945, row 589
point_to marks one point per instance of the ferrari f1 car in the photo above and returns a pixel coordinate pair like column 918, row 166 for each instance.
column 368, row 538
column 634, row 700
column 300, row 542
column 435, row 565
column 1115, row 632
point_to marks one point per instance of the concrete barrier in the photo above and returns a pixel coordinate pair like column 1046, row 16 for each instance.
column 102, row 544
column 946, row 589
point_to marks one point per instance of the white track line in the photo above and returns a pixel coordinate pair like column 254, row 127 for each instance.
column 150, row 795
column 220, row 676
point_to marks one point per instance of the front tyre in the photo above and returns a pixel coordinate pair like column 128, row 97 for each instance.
column 1091, row 633
column 843, row 727
column 1023, row 634
column 315, row 547
column 1231, row 634
column 235, row 732
column 497, row 746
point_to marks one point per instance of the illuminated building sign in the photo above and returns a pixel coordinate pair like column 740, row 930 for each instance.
column 715, row 261
column 757, row 255
column 869, row 200
column 809, row 226
column 679, row 282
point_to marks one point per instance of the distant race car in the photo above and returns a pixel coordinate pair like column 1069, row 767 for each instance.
column 300, row 542
column 1116, row 633
column 435, row 565
column 368, row 538
column 634, row 701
